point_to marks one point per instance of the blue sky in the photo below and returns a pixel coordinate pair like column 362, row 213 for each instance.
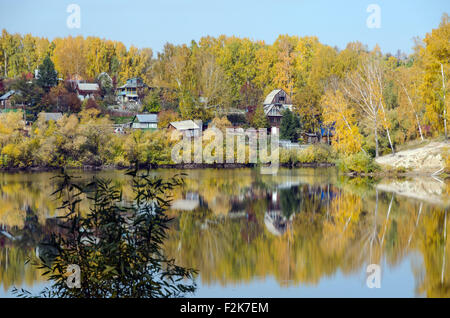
column 152, row 23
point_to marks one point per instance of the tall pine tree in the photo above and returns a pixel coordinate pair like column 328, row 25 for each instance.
column 47, row 74
column 289, row 126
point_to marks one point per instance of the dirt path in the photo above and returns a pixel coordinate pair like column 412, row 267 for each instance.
column 425, row 159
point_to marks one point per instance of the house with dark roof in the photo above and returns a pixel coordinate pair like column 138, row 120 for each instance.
column 131, row 90
column 275, row 104
column 5, row 100
column 87, row 90
column 145, row 121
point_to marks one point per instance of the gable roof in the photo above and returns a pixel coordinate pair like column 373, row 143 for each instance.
column 279, row 109
column 88, row 87
column 184, row 125
column 7, row 95
column 271, row 96
column 147, row 118
column 135, row 82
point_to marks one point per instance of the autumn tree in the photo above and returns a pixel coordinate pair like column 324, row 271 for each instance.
column 221, row 123
column 364, row 87
column 90, row 103
column 59, row 99
column 259, row 119
column 337, row 112
column 69, row 57
column 167, row 116
column 152, row 102
column 434, row 59
column 408, row 79
column 213, row 85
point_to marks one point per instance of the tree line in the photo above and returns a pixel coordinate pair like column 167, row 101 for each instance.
column 373, row 100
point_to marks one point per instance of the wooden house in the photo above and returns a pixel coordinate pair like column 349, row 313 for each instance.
column 145, row 121
column 191, row 128
column 275, row 104
column 87, row 90
column 131, row 90
column 5, row 100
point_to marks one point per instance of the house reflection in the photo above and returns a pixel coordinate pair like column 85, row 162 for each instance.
column 276, row 223
column 190, row 202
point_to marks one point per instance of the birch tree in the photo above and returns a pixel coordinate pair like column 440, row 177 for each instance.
column 365, row 88
column 337, row 111
column 443, row 101
column 408, row 79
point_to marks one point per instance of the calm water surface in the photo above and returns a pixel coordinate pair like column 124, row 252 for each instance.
column 301, row 233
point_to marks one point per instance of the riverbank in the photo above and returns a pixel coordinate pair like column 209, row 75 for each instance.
column 180, row 166
column 424, row 160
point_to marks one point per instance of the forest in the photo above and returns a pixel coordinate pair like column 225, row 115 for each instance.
column 374, row 101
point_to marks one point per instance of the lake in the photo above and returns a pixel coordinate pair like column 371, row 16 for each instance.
column 300, row 233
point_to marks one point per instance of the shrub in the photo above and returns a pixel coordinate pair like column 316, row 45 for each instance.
column 446, row 157
column 288, row 156
column 359, row 162
column 319, row 153
column 400, row 169
column 118, row 248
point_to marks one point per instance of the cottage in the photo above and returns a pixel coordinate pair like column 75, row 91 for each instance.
column 310, row 138
column 87, row 90
column 326, row 134
column 5, row 100
column 275, row 104
column 131, row 90
column 145, row 121
column 191, row 128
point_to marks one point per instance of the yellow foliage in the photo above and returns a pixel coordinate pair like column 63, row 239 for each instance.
column 337, row 111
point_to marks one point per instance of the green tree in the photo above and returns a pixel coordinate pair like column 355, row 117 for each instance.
column 29, row 94
column 47, row 75
column 259, row 119
column 152, row 102
column 118, row 249
column 289, row 126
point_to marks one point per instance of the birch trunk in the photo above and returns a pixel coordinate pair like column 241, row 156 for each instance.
column 445, row 106
column 6, row 65
column 387, row 129
column 376, row 141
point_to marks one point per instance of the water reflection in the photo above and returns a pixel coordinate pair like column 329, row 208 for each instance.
column 300, row 227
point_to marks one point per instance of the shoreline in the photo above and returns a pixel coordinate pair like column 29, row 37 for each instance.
column 180, row 166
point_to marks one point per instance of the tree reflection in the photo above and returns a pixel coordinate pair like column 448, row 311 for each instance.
column 298, row 227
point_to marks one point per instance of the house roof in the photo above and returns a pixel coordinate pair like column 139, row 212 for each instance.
column 184, row 125
column 51, row 116
column 271, row 96
column 279, row 109
column 147, row 118
column 133, row 83
column 7, row 95
column 88, row 87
